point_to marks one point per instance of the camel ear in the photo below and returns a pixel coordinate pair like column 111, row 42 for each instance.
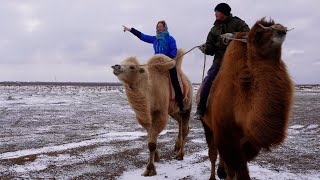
column 141, row 70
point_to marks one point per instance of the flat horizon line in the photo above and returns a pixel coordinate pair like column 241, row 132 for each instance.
column 76, row 83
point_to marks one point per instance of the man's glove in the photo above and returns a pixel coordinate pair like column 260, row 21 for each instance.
column 203, row 48
column 226, row 38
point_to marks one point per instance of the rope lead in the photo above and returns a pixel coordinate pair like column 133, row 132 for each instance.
column 166, row 61
column 204, row 66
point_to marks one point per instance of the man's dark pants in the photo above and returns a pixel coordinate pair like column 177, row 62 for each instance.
column 206, row 86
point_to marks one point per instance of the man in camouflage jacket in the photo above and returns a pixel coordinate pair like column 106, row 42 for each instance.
column 215, row 45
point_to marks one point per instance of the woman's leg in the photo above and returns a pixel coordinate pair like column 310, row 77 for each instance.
column 177, row 89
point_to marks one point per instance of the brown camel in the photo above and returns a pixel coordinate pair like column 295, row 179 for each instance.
column 250, row 100
column 148, row 92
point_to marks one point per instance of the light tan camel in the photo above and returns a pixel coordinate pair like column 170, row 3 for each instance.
column 148, row 92
column 250, row 100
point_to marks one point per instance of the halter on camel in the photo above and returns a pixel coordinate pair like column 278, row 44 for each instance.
column 227, row 38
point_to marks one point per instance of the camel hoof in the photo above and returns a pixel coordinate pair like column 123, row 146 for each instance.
column 179, row 156
column 149, row 172
column 221, row 173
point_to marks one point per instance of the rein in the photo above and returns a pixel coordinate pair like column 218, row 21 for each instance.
column 166, row 61
column 241, row 40
column 226, row 39
column 204, row 66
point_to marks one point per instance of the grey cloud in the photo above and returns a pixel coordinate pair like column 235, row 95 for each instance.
column 78, row 32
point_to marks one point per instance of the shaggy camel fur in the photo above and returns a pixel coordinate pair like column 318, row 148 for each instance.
column 250, row 100
column 148, row 91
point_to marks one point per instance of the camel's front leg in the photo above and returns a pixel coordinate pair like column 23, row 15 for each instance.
column 230, row 151
column 153, row 154
column 224, row 172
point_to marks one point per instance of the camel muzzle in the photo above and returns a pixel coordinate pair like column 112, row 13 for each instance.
column 281, row 32
column 116, row 69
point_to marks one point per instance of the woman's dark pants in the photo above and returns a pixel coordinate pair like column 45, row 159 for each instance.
column 177, row 89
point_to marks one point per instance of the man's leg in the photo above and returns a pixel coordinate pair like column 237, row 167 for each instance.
column 205, row 90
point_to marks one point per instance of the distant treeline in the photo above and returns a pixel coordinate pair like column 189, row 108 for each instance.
column 10, row 83
column 20, row 83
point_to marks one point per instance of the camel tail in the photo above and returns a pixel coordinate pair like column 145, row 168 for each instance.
column 179, row 58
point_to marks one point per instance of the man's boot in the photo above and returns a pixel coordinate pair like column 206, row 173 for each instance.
column 201, row 109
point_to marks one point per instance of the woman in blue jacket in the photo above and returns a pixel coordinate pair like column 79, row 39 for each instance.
column 165, row 44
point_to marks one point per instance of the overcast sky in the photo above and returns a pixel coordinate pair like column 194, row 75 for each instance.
column 78, row 40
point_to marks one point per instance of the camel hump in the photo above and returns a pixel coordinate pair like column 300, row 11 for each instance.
column 179, row 58
column 160, row 62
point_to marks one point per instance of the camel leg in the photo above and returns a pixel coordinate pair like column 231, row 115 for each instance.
column 231, row 152
column 242, row 172
column 182, row 136
column 152, row 145
column 213, row 157
column 238, row 169
column 177, row 146
column 159, row 121
column 230, row 173
column 157, row 156
column 178, row 143
column 221, row 171
column 212, row 149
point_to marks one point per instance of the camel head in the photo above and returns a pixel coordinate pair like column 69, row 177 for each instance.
column 129, row 71
column 266, row 36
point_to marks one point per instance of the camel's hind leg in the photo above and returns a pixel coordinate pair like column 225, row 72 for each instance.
column 213, row 157
column 212, row 149
column 182, row 135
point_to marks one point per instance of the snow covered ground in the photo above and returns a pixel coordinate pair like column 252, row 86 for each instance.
column 68, row 132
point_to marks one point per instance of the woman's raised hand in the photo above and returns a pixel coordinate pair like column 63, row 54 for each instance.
column 126, row 28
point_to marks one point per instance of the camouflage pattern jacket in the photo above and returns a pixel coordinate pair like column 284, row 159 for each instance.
column 214, row 44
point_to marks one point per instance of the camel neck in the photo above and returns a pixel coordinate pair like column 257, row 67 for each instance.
column 259, row 58
column 138, row 99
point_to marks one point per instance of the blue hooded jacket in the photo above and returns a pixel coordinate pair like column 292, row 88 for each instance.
column 171, row 51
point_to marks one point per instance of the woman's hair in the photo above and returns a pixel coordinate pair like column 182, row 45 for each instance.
column 164, row 24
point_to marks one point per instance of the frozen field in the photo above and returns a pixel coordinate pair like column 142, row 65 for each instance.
column 78, row 132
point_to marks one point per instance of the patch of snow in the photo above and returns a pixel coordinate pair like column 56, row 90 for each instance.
column 296, row 127
column 187, row 170
column 312, row 126
column 198, row 140
column 103, row 138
